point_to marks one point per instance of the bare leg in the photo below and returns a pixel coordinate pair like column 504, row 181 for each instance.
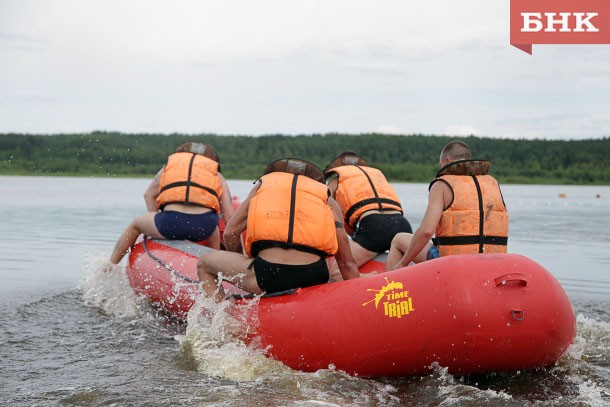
column 422, row 255
column 214, row 240
column 232, row 266
column 333, row 270
column 361, row 256
column 400, row 245
column 208, row 283
column 141, row 224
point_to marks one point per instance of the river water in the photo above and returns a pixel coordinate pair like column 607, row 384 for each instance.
column 73, row 336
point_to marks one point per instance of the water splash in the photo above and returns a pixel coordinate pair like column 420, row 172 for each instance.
column 592, row 342
column 591, row 348
column 592, row 394
column 106, row 287
column 213, row 342
column 451, row 392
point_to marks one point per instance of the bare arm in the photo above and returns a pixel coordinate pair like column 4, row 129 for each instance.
column 344, row 257
column 237, row 224
column 333, row 184
column 425, row 231
column 226, row 200
column 151, row 193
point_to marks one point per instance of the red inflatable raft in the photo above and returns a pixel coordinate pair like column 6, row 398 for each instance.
column 470, row 313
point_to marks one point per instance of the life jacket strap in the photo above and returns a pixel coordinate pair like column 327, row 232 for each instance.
column 188, row 184
column 369, row 201
column 467, row 240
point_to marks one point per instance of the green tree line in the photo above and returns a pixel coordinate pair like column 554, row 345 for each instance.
column 410, row 158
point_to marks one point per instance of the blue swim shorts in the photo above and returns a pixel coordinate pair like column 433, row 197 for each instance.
column 432, row 253
column 186, row 226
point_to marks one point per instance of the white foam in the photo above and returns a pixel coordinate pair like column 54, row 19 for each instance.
column 107, row 287
column 592, row 342
column 591, row 394
column 212, row 340
column 592, row 339
column 454, row 393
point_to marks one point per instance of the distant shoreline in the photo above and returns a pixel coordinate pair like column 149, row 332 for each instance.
column 126, row 176
column 408, row 158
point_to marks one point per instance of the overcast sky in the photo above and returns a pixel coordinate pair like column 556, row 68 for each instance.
column 293, row 67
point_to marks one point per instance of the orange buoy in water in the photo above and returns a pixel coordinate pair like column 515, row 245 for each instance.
column 562, row 195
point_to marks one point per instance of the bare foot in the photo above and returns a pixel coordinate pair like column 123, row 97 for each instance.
column 108, row 267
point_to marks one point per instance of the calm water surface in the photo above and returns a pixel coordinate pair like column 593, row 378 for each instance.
column 70, row 335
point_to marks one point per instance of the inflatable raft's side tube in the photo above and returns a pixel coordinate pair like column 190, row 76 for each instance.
column 470, row 313
column 165, row 271
column 473, row 313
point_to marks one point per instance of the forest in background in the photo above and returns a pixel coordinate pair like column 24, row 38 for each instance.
column 410, row 158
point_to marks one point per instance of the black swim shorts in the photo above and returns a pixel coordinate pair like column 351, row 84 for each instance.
column 273, row 277
column 186, row 226
column 376, row 231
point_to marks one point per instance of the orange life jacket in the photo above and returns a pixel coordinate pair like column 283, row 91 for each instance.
column 477, row 219
column 291, row 211
column 190, row 178
column 362, row 189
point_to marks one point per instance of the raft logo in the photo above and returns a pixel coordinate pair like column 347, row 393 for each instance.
column 559, row 22
column 395, row 300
